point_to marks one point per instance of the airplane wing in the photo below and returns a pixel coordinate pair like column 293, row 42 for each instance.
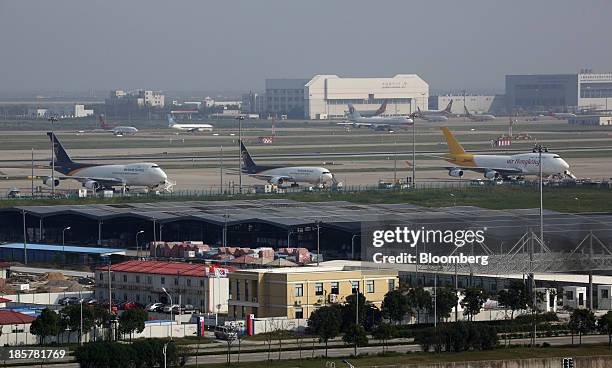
column 503, row 171
column 269, row 177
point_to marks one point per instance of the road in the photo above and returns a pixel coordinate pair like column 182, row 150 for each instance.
column 340, row 352
column 40, row 271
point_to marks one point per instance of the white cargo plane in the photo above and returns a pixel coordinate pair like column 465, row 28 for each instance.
column 478, row 117
column 280, row 175
column 375, row 122
column 118, row 131
column 98, row 177
column 501, row 166
column 190, row 127
column 435, row 115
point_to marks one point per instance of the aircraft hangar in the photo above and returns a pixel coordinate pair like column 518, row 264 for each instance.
column 282, row 223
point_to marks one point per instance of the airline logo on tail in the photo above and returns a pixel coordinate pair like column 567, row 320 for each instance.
column 382, row 108
column 103, row 122
column 448, row 107
column 457, row 154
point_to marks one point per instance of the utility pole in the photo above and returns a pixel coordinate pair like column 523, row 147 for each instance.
column 52, row 119
column 32, row 174
column 414, row 152
column 539, row 149
column 221, row 174
column 240, row 119
column 25, row 239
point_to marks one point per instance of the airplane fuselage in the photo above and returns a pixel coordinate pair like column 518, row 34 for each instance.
column 526, row 163
column 137, row 174
column 124, row 130
column 193, row 127
column 298, row 174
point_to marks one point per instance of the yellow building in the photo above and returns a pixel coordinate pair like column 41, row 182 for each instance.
column 294, row 292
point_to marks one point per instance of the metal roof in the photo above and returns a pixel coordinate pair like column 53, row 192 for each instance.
column 67, row 248
column 164, row 268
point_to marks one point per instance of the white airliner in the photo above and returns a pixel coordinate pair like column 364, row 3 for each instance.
column 190, row 127
column 118, row 131
column 435, row 115
column 498, row 166
column 98, row 177
column 478, row 117
column 375, row 122
column 280, row 175
column 562, row 115
column 377, row 112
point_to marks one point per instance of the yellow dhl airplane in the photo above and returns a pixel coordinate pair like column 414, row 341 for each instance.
column 501, row 166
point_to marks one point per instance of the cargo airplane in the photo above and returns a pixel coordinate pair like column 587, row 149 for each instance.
column 501, row 166
column 190, row 127
column 375, row 122
column 280, row 175
column 370, row 113
column 98, row 176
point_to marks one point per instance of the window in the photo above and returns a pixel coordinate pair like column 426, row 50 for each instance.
column 163, row 280
column 335, row 288
column 149, row 298
column 246, row 290
column 188, row 282
column 299, row 313
column 391, row 284
column 149, row 280
column 176, row 281
column 243, row 311
column 370, row 286
column 605, row 294
column 299, row 289
column 125, row 297
column 354, row 287
column 569, row 295
column 101, row 276
column 319, row 288
column 124, row 278
column 113, row 277
column 201, row 283
column 137, row 279
column 137, row 297
column 237, row 289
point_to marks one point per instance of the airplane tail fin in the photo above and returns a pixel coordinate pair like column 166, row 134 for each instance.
column 467, row 112
column 382, row 108
column 247, row 160
column 60, row 153
column 171, row 120
column 103, row 124
column 448, row 107
column 353, row 113
column 454, row 147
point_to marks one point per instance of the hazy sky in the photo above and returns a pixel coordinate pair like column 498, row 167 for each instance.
column 233, row 45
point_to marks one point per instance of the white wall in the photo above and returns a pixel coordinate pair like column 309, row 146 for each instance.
column 45, row 298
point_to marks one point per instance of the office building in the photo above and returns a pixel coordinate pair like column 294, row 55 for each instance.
column 285, row 98
column 294, row 292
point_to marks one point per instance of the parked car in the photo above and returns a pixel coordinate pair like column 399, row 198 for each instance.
column 225, row 333
column 171, row 307
column 188, row 308
column 153, row 307
column 90, row 301
column 130, row 305
column 86, row 281
column 69, row 300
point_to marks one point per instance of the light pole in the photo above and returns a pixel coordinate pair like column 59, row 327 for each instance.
column 64, row 236
column 318, row 242
column 165, row 351
column 171, row 308
column 52, row 119
column 539, row 149
column 81, row 328
column 240, row 119
column 137, row 248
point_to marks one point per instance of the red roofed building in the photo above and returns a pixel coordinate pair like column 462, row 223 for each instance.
column 204, row 286
column 9, row 317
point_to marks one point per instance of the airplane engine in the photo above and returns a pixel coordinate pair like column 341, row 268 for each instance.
column 455, row 172
column 91, row 184
column 491, row 174
column 48, row 181
column 277, row 181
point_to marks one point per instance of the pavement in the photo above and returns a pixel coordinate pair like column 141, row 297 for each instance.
column 36, row 270
column 334, row 352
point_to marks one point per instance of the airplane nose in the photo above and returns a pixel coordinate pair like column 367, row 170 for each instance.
column 565, row 165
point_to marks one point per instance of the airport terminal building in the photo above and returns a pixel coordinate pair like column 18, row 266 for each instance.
column 559, row 92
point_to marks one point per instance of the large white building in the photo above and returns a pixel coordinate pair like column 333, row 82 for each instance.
column 559, row 92
column 327, row 96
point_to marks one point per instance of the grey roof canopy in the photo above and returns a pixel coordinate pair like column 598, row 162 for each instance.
column 341, row 215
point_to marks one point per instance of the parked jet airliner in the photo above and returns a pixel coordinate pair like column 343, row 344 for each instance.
column 98, row 177
column 435, row 115
column 190, row 127
column 119, row 131
column 280, row 175
column 478, row 117
column 497, row 166
column 375, row 122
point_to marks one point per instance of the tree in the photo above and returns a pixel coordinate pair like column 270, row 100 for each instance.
column 446, row 299
column 384, row 332
column 102, row 317
column 132, row 320
column 325, row 323
column 473, row 300
column 516, row 297
column 71, row 319
column 581, row 321
column 47, row 324
column 419, row 299
column 604, row 325
column 355, row 333
column 395, row 306
column 349, row 312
